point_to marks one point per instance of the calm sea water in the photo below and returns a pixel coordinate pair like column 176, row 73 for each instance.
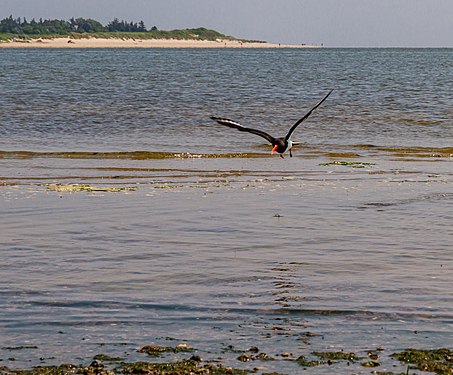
column 290, row 255
column 161, row 100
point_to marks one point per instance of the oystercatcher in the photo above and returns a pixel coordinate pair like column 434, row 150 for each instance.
column 281, row 145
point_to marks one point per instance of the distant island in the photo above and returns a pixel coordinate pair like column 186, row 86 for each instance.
column 89, row 33
column 77, row 28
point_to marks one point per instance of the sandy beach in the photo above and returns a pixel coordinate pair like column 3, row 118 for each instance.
column 67, row 42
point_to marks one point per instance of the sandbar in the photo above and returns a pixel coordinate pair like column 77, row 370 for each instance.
column 67, row 42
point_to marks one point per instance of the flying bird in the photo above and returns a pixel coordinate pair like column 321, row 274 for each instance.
column 280, row 145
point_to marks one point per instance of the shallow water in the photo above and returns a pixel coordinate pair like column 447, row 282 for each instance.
column 161, row 100
column 215, row 247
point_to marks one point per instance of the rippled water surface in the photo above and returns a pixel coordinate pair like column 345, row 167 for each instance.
column 161, row 100
column 194, row 233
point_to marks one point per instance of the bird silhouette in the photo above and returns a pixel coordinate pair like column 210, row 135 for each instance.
column 280, row 145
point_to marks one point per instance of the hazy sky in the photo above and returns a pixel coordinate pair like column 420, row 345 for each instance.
column 335, row 23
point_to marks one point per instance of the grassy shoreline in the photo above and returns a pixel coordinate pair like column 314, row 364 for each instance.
column 201, row 34
column 179, row 38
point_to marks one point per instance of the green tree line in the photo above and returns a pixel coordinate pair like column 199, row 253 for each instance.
column 78, row 25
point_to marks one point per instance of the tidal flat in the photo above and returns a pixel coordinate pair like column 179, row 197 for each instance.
column 250, row 265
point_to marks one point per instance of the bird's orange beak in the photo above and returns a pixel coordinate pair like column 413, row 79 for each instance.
column 274, row 149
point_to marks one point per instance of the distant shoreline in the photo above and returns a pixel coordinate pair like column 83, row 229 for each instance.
column 68, row 42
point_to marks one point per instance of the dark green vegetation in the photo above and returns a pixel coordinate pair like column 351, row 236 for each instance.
column 189, row 366
column 21, row 28
column 327, row 358
column 156, row 350
column 335, row 356
column 437, row 361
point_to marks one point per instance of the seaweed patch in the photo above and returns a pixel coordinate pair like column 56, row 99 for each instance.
column 156, row 350
column 353, row 164
column 439, row 361
column 73, row 188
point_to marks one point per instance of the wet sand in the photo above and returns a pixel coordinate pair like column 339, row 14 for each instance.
column 297, row 256
column 139, row 43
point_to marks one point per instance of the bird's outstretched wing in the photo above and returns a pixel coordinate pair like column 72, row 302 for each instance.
column 236, row 125
column 306, row 116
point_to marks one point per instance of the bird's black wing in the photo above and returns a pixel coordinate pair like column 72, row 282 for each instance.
column 306, row 116
column 236, row 125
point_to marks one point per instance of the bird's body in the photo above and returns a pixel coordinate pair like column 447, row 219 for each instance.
column 280, row 145
column 283, row 145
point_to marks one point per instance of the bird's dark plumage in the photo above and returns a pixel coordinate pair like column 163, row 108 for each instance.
column 281, row 145
column 236, row 125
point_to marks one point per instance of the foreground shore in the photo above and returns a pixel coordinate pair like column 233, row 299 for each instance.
column 183, row 359
column 106, row 320
column 68, row 42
